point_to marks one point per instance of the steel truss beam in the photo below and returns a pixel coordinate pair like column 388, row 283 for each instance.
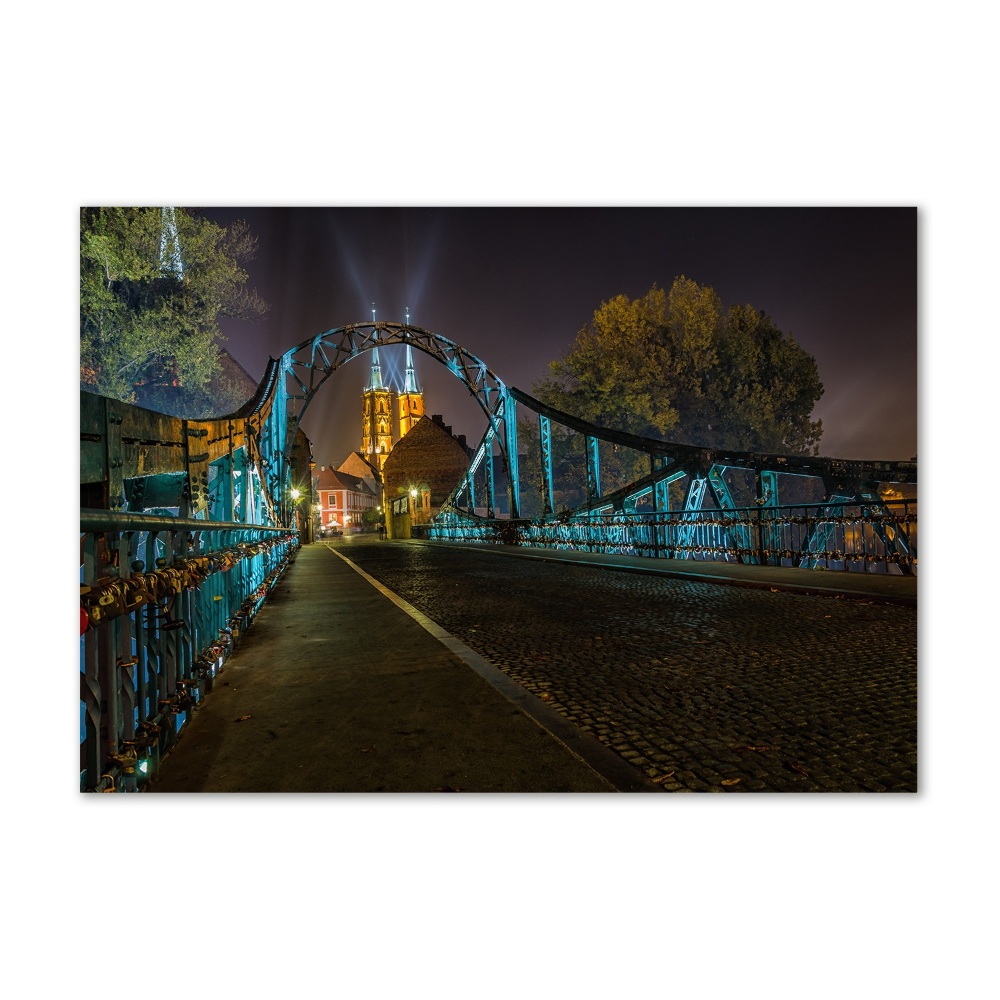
column 304, row 369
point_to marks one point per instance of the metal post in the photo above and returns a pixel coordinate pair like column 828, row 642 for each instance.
column 593, row 469
column 510, row 434
column 545, row 437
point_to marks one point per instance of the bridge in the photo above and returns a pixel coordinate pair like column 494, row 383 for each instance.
column 188, row 527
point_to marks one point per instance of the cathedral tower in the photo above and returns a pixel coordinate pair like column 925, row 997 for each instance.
column 411, row 399
column 376, row 434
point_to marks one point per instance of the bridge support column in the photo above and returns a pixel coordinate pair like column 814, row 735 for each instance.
column 593, row 469
column 510, row 433
column 545, row 438
column 491, row 498
column 766, row 483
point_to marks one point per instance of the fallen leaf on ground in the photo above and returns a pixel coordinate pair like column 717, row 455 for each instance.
column 243, row 718
column 794, row 765
column 660, row 778
column 731, row 781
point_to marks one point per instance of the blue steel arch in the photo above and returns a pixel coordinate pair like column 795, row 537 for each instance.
column 302, row 371
column 849, row 487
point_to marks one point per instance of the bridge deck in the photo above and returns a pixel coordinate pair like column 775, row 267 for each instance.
column 339, row 689
column 342, row 686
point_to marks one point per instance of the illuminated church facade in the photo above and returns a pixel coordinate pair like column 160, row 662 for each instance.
column 378, row 418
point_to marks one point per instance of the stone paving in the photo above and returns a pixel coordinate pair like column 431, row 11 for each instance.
column 702, row 686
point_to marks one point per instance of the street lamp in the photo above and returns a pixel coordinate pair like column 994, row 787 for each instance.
column 294, row 494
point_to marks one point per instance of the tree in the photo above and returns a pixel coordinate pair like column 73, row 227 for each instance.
column 149, row 330
column 764, row 388
column 677, row 366
column 605, row 377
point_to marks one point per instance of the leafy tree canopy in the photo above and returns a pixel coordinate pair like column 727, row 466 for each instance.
column 676, row 365
column 149, row 321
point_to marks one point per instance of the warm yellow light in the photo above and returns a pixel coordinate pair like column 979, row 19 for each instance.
column 295, row 494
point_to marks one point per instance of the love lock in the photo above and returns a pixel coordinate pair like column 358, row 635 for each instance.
column 135, row 592
column 186, row 698
column 201, row 566
column 148, row 731
column 127, row 760
column 164, row 585
column 205, row 671
column 140, row 746
column 104, row 602
column 158, row 616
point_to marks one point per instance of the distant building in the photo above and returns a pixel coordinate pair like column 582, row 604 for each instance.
column 410, row 402
column 357, row 465
column 376, row 419
column 420, row 472
column 342, row 499
column 377, row 416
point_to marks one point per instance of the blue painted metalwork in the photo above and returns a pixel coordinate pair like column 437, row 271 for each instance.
column 724, row 498
column 545, row 439
column 164, row 601
column 488, row 472
column 705, row 534
column 305, row 368
column 154, row 637
column 511, row 456
column 753, row 527
column 593, row 468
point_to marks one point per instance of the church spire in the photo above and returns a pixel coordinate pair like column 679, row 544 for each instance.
column 375, row 382
column 411, row 400
column 410, row 386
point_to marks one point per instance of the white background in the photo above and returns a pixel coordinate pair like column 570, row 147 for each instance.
column 725, row 103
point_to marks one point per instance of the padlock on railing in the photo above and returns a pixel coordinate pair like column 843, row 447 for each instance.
column 136, row 592
column 188, row 691
column 104, row 602
column 126, row 759
column 164, row 585
column 225, row 640
column 141, row 747
column 158, row 616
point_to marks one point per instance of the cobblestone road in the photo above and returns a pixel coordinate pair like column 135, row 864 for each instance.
column 703, row 687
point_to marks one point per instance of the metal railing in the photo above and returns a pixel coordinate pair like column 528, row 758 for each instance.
column 163, row 604
column 856, row 536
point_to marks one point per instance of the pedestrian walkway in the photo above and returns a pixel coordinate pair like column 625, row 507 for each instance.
column 338, row 686
column 341, row 686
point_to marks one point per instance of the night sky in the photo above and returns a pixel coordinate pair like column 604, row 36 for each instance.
column 515, row 285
